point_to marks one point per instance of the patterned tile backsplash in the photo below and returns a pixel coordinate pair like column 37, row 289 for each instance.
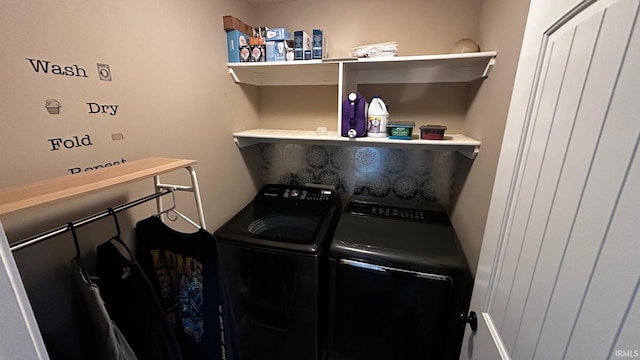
column 415, row 174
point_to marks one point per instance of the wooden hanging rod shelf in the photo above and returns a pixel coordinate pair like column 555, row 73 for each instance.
column 50, row 191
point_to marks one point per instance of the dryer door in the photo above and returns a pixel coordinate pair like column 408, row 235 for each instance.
column 388, row 313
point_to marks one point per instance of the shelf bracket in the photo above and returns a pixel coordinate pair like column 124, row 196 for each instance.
column 488, row 68
column 244, row 142
column 469, row 151
column 234, row 75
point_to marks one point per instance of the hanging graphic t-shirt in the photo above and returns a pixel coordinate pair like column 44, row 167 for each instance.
column 184, row 269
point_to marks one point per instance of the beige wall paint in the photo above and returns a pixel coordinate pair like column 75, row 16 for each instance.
column 419, row 28
column 169, row 80
column 175, row 99
column 307, row 107
column 298, row 107
column 501, row 28
column 436, row 103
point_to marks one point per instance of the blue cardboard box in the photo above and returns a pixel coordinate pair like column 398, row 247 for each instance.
column 301, row 43
column 277, row 50
column 238, row 49
column 273, row 34
column 317, row 44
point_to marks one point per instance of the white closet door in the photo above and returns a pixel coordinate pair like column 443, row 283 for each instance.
column 20, row 337
column 561, row 240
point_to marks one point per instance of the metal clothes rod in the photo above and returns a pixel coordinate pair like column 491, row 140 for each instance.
column 89, row 219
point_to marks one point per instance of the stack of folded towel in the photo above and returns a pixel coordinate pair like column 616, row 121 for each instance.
column 376, row 50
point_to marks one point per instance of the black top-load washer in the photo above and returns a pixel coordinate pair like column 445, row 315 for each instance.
column 273, row 254
column 399, row 283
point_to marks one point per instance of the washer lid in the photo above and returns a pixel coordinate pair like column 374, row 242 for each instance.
column 283, row 217
column 286, row 227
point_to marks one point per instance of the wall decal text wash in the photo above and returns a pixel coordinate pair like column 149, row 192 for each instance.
column 48, row 67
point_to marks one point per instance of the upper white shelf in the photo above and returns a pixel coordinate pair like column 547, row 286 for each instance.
column 308, row 72
column 421, row 69
column 461, row 143
column 399, row 69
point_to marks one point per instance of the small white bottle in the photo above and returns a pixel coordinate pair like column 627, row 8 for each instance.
column 377, row 117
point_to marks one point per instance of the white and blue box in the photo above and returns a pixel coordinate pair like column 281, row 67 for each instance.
column 317, row 44
column 277, row 50
column 301, row 45
column 238, row 49
column 273, row 34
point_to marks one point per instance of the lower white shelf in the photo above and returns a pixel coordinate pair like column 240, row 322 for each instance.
column 463, row 144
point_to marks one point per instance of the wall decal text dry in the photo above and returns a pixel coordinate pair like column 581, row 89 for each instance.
column 95, row 108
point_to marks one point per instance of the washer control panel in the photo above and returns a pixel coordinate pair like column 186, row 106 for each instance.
column 309, row 194
column 296, row 194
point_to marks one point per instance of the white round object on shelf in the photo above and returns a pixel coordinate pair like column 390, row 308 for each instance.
column 465, row 46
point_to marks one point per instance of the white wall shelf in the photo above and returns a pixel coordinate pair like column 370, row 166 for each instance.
column 421, row 69
column 347, row 74
column 309, row 72
column 399, row 69
column 465, row 145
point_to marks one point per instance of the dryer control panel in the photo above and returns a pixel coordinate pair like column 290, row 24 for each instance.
column 428, row 213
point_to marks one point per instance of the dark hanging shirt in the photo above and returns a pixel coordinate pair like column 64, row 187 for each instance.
column 134, row 307
column 184, row 270
column 107, row 342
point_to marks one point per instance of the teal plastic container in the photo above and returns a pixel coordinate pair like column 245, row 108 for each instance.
column 401, row 130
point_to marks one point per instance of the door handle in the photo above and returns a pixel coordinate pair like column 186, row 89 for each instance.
column 471, row 319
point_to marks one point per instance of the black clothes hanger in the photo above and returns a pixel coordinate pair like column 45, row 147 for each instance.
column 78, row 258
column 117, row 237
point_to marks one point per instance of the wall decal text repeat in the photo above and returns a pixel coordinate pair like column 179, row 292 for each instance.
column 75, row 170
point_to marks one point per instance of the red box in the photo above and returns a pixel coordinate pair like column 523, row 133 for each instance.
column 432, row 132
